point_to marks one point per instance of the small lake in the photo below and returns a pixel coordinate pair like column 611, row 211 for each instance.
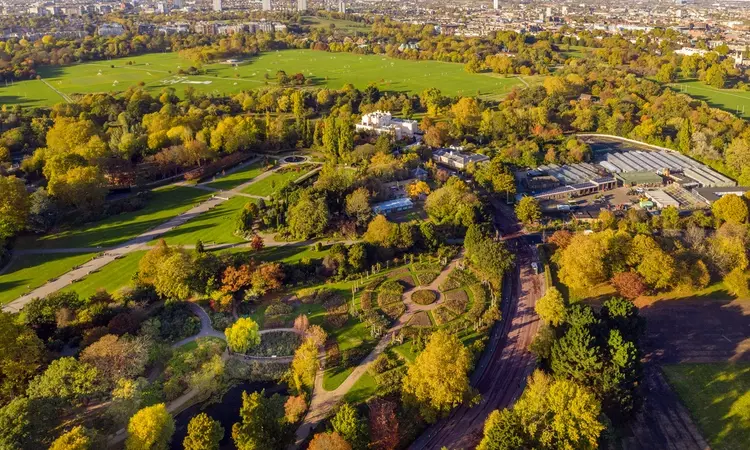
column 227, row 412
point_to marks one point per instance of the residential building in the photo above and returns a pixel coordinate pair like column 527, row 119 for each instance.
column 266, row 5
column 110, row 29
column 301, row 5
column 217, row 5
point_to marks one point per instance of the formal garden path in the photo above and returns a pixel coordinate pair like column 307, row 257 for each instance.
column 323, row 402
column 139, row 243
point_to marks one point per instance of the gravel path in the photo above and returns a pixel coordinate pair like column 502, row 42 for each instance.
column 323, row 402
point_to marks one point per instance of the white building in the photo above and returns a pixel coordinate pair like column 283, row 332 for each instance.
column 342, row 6
column 266, row 5
column 110, row 29
column 383, row 122
column 301, row 5
column 217, row 5
column 689, row 51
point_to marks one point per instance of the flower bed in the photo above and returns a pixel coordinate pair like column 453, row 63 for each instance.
column 458, row 278
column 442, row 315
column 456, row 301
column 424, row 297
column 280, row 343
column 425, row 278
column 365, row 300
column 420, row 319
column 406, row 281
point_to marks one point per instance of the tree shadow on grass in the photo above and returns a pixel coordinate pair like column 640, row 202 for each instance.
column 697, row 329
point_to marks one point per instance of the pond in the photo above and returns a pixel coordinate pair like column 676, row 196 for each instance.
column 227, row 412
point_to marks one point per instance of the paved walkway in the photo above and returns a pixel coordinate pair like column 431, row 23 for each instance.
column 323, row 402
column 136, row 244
column 96, row 263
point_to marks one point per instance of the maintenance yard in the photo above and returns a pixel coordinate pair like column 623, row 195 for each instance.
column 626, row 174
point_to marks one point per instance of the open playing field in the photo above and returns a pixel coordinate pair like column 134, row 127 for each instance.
column 31, row 271
column 732, row 100
column 111, row 277
column 718, row 397
column 334, row 70
column 165, row 203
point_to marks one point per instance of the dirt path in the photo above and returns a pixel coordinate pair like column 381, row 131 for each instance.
column 323, row 402
column 500, row 375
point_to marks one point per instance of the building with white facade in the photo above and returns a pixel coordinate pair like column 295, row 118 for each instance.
column 383, row 122
column 301, row 5
column 217, row 5
column 266, row 5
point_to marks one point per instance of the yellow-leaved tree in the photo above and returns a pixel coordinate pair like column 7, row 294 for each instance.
column 151, row 428
column 438, row 380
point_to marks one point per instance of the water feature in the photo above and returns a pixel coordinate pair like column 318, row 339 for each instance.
column 227, row 412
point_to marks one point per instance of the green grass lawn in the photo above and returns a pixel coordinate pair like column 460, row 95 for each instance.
column 332, row 378
column 718, row 397
column 33, row 271
column 166, row 203
column 111, row 277
column 292, row 253
column 235, row 179
column 732, row 100
column 215, row 226
column 332, row 70
column 363, row 389
column 273, row 183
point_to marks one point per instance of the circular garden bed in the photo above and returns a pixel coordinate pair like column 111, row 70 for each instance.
column 424, row 297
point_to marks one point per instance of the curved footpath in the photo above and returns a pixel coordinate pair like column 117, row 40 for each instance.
column 135, row 244
column 500, row 375
column 323, row 402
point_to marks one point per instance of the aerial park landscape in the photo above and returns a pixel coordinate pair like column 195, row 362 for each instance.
column 262, row 229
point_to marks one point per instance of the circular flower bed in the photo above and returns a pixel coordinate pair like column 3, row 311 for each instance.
column 424, row 297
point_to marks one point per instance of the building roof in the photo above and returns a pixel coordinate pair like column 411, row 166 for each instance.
column 389, row 205
column 711, row 194
column 639, row 178
column 662, row 199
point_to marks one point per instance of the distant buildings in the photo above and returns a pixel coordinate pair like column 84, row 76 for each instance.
column 456, row 159
column 301, row 5
column 217, row 5
column 110, row 29
column 266, row 5
column 383, row 122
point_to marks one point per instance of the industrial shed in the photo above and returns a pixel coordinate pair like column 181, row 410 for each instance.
column 661, row 199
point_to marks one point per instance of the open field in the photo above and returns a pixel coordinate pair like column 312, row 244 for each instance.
column 165, row 203
column 332, row 70
column 718, row 397
column 239, row 177
column 32, row 271
column 732, row 100
column 272, row 184
column 111, row 277
column 215, row 226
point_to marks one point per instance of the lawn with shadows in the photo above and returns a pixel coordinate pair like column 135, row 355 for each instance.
column 273, row 183
column 718, row 397
column 115, row 275
column 732, row 100
column 239, row 177
column 165, row 204
column 214, row 226
column 333, row 70
column 292, row 253
column 29, row 272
